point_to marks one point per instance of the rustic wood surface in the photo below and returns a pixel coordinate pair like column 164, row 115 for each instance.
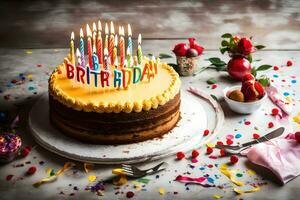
column 48, row 24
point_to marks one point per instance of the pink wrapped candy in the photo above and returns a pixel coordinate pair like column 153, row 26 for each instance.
column 10, row 145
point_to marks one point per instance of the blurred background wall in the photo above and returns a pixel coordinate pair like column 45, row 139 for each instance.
column 48, row 23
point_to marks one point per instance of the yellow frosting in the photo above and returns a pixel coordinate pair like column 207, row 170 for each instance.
column 144, row 95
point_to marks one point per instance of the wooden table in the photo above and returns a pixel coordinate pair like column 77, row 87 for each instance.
column 36, row 64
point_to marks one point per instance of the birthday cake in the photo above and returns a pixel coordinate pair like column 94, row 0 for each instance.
column 113, row 99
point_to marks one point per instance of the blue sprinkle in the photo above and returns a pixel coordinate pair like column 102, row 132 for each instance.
column 286, row 94
column 275, row 76
column 21, row 75
column 294, row 81
column 238, row 135
column 240, row 122
column 202, row 168
column 30, row 88
column 211, row 180
column 10, row 85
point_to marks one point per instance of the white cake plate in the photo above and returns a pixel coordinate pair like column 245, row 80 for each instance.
column 197, row 115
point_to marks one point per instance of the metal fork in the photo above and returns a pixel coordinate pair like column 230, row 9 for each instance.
column 133, row 171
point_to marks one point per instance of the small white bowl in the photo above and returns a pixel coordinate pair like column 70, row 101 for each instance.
column 242, row 107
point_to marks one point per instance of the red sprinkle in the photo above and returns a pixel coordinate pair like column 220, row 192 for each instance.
column 9, row 177
column 195, row 154
column 229, row 142
column 31, row 170
column 39, row 65
column 275, row 111
column 297, row 136
column 210, row 166
column 276, row 68
column 289, row 63
column 180, row 155
column 25, row 152
column 214, row 86
column 222, row 152
column 270, row 124
column 247, row 122
column 129, row 194
column 234, row 159
column 220, row 143
column 206, row 132
column 209, row 150
column 255, row 136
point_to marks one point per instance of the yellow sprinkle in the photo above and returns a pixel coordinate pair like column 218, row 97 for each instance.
column 137, row 185
column 29, row 76
column 288, row 99
column 251, row 172
column 29, row 52
column 118, row 171
column 255, row 189
column 88, row 167
column 217, row 196
column 297, row 118
column 162, row 191
column 48, row 170
column 92, row 178
column 120, row 180
column 210, row 145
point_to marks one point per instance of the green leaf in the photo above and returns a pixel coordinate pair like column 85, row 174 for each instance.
column 226, row 35
column 224, row 43
column 223, row 50
column 253, row 72
column 164, row 56
column 216, row 61
column 150, row 54
column 249, row 57
column 258, row 47
column 264, row 80
column 214, row 97
column 263, row 67
column 211, row 81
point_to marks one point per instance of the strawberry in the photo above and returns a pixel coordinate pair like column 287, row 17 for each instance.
column 248, row 77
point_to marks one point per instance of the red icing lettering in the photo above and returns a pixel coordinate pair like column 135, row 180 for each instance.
column 70, row 70
column 80, row 74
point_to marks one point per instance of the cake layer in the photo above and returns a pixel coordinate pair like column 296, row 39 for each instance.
column 139, row 97
column 115, row 128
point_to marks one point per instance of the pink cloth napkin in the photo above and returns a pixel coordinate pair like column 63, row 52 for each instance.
column 281, row 156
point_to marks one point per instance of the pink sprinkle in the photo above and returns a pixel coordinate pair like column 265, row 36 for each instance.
column 247, row 123
column 194, row 160
column 229, row 137
column 214, row 86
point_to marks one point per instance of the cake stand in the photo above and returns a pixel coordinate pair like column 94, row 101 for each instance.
column 197, row 114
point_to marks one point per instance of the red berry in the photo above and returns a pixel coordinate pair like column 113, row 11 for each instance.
column 248, row 77
column 213, row 86
column 275, row 111
column 180, row 155
column 229, row 142
column 206, row 132
column 255, row 136
column 270, row 124
column 31, row 170
column 129, row 194
column 297, row 136
column 25, row 152
column 209, row 150
column 195, row 154
column 234, row 159
column 289, row 63
column 222, row 152
column 276, row 68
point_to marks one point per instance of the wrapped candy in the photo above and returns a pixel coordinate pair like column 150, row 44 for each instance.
column 10, row 145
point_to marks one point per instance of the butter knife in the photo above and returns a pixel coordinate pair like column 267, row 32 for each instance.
column 276, row 133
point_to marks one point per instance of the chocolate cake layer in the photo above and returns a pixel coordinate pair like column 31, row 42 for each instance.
column 115, row 128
